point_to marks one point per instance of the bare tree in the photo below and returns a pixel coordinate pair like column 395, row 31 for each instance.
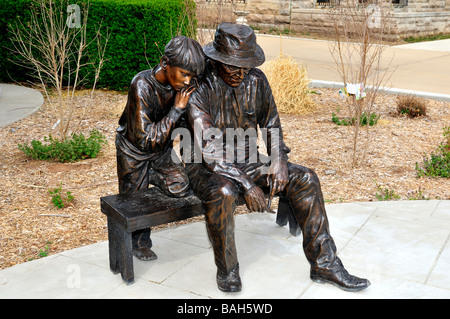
column 201, row 18
column 210, row 14
column 53, row 44
column 360, row 29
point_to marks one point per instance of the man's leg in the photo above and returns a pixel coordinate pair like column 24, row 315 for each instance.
column 219, row 196
column 306, row 200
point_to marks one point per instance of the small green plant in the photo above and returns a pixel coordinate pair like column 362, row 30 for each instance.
column 385, row 194
column 59, row 198
column 438, row 163
column 445, row 147
column 77, row 147
column 44, row 252
column 365, row 119
column 417, row 195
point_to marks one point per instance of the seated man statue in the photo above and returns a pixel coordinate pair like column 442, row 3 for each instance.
column 156, row 101
column 234, row 97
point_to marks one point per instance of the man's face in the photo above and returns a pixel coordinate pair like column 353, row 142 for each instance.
column 231, row 75
column 178, row 78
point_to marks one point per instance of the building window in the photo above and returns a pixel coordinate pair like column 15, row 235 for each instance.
column 400, row 2
column 336, row 2
column 328, row 3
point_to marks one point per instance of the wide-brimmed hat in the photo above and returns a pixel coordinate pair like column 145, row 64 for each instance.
column 235, row 44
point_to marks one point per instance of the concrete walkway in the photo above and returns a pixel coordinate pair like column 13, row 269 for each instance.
column 423, row 67
column 17, row 102
column 402, row 247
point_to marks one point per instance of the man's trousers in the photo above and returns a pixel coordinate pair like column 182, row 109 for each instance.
column 303, row 192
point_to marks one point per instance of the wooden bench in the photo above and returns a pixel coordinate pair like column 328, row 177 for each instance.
column 127, row 213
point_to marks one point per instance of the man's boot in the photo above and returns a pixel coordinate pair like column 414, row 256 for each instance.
column 230, row 282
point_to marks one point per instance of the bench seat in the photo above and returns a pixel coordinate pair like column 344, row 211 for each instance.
column 127, row 213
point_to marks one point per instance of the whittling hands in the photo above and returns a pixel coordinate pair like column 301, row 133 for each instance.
column 254, row 198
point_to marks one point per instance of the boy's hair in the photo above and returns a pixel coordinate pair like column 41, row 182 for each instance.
column 185, row 53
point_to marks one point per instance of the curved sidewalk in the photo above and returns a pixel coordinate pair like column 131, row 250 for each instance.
column 402, row 247
column 18, row 102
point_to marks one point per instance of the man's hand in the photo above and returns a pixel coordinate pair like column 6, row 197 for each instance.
column 254, row 198
column 278, row 176
column 182, row 97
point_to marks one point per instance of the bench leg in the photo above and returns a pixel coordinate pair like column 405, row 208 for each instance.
column 285, row 215
column 120, row 251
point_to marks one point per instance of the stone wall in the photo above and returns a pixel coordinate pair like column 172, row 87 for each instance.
column 269, row 13
column 418, row 18
column 426, row 5
column 413, row 24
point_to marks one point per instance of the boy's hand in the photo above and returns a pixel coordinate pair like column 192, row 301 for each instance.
column 182, row 97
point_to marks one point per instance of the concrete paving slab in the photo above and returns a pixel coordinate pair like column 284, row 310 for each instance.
column 402, row 247
column 17, row 102
column 436, row 45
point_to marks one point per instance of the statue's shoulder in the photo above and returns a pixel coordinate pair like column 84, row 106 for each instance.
column 142, row 76
column 258, row 74
column 207, row 80
column 144, row 82
column 258, row 78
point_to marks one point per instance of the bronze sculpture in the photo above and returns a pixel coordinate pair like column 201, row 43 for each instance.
column 156, row 101
column 234, row 94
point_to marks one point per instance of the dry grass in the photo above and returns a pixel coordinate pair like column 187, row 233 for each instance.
column 289, row 82
column 411, row 105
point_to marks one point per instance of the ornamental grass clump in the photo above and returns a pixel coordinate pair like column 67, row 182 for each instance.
column 412, row 106
column 289, row 82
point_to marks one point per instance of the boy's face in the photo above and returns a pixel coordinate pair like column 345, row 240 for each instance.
column 178, row 78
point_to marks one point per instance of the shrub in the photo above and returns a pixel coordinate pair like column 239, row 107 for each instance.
column 139, row 30
column 77, row 147
column 411, row 105
column 9, row 11
column 438, row 164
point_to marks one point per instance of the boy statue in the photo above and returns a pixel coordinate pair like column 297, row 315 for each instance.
column 156, row 101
